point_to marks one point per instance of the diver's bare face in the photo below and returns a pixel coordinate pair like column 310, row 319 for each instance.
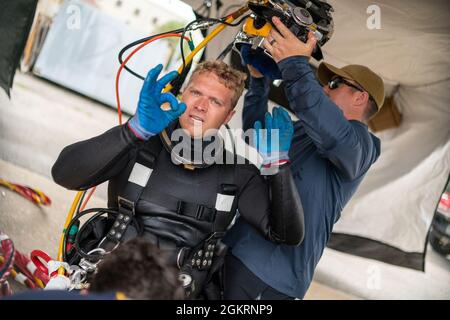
column 208, row 104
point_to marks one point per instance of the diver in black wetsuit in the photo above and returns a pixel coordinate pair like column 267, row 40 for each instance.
column 186, row 209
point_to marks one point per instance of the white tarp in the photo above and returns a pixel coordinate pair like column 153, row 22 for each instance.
column 396, row 201
column 411, row 51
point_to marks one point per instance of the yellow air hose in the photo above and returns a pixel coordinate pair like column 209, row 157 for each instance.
column 66, row 224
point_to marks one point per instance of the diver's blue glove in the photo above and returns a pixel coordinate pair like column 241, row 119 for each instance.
column 274, row 152
column 149, row 118
column 262, row 62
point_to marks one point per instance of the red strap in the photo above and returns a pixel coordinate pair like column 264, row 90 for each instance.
column 278, row 163
column 36, row 256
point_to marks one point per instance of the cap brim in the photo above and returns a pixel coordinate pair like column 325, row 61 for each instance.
column 326, row 71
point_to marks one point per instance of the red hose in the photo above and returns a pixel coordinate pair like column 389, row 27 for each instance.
column 119, row 110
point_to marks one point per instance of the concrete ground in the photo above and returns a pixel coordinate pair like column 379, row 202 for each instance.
column 42, row 118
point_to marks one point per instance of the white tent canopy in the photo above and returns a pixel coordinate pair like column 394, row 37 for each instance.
column 394, row 206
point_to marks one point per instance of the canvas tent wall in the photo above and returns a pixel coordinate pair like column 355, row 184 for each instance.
column 389, row 216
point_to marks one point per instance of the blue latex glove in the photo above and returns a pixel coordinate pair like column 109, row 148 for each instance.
column 149, row 118
column 262, row 62
column 278, row 150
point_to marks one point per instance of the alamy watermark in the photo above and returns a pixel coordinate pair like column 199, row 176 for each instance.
column 74, row 17
column 374, row 20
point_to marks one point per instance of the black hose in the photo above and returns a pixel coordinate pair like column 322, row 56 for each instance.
column 227, row 50
column 80, row 202
column 137, row 42
column 76, row 244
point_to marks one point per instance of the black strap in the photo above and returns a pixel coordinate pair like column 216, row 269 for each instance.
column 202, row 256
column 227, row 187
column 185, row 208
column 130, row 195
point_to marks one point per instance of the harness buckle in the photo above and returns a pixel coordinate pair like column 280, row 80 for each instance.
column 126, row 206
column 199, row 213
column 181, row 256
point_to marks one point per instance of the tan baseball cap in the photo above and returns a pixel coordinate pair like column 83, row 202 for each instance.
column 366, row 78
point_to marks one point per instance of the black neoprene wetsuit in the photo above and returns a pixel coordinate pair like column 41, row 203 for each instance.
column 169, row 204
